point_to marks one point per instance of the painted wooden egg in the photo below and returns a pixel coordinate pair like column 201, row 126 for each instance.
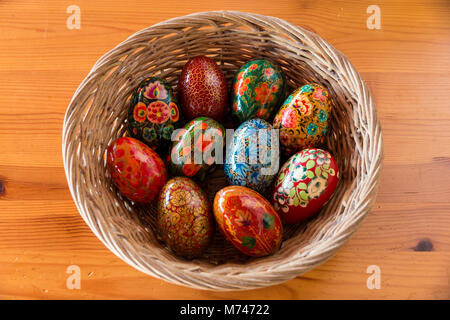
column 252, row 158
column 305, row 183
column 137, row 171
column 153, row 113
column 248, row 221
column 303, row 118
column 202, row 89
column 258, row 91
column 185, row 220
column 195, row 148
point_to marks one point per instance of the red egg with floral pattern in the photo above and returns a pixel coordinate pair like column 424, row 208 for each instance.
column 185, row 221
column 202, row 89
column 248, row 221
column 137, row 171
column 304, row 184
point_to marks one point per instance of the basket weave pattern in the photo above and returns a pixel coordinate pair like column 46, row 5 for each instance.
column 96, row 117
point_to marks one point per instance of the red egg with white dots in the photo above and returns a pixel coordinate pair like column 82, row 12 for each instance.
column 202, row 89
column 137, row 171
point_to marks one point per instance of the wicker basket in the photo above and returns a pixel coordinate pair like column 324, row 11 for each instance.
column 96, row 116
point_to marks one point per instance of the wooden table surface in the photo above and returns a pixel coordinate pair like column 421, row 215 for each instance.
column 406, row 64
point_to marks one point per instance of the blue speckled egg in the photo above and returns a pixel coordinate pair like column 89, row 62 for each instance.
column 252, row 157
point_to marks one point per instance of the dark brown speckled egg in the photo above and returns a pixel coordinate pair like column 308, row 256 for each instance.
column 202, row 89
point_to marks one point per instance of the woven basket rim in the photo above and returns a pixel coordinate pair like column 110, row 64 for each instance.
column 245, row 279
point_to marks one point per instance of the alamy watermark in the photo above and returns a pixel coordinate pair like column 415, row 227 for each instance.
column 259, row 148
column 374, row 20
column 374, row 280
column 74, row 20
column 74, row 280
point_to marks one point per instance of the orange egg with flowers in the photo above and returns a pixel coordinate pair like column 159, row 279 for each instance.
column 303, row 118
column 248, row 221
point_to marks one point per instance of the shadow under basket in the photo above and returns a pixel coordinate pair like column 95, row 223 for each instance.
column 96, row 117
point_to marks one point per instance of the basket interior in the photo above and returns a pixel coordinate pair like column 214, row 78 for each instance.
column 131, row 228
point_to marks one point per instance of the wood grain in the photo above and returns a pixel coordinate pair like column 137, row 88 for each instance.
column 406, row 65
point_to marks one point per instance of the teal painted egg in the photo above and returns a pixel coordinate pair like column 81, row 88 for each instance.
column 258, row 91
column 252, row 158
column 153, row 113
column 195, row 147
